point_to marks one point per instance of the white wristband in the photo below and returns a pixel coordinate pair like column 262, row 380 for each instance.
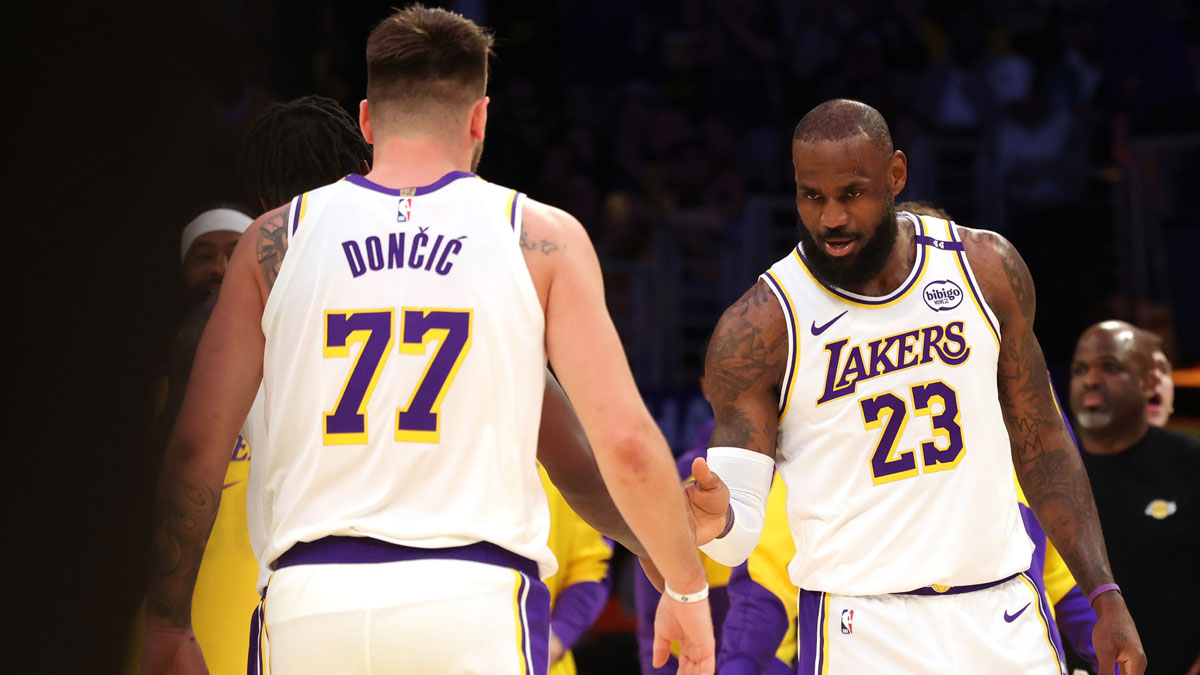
column 686, row 598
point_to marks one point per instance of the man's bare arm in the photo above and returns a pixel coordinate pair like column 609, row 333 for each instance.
column 564, row 450
column 221, row 388
column 743, row 371
column 1047, row 463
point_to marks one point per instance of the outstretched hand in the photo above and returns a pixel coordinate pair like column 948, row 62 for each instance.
column 1115, row 638
column 708, row 502
column 691, row 625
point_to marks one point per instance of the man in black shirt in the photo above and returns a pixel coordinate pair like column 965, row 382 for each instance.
column 1146, row 482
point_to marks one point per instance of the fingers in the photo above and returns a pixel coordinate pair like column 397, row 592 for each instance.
column 662, row 649
column 704, row 476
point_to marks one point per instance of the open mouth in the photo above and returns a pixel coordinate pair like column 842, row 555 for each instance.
column 1155, row 400
column 839, row 247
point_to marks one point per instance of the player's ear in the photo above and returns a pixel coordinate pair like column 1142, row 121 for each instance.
column 479, row 118
column 898, row 172
column 364, row 122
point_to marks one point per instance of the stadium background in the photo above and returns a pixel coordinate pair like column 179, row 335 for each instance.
column 1071, row 126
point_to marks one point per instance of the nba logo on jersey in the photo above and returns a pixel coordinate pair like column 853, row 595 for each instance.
column 942, row 295
column 848, row 621
column 404, row 210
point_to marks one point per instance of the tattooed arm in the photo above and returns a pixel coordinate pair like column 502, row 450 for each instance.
column 743, row 372
column 1046, row 461
column 224, row 378
column 747, row 357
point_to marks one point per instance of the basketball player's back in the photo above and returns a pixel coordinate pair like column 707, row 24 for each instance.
column 403, row 344
column 402, row 371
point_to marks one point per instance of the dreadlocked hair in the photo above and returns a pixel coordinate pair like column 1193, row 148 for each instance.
column 303, row 144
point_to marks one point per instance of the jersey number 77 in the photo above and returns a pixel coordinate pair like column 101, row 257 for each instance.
column 419, row 420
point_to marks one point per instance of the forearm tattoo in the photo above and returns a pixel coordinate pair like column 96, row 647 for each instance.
column 1047, row 463
column 187, row 510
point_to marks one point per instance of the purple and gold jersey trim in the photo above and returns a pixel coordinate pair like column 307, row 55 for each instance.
column 512, row 209
column 976, row 296
column 867, row 301
column 412, row 191
column 298, row 210
column 794, row 341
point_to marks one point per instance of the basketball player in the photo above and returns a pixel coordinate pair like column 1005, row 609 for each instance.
column 889, row 368
column 401, row 501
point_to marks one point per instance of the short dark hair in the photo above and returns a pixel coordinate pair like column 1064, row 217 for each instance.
column 303, row 144
column 420, row 56
column 843, row 118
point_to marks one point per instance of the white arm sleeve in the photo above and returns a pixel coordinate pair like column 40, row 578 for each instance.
column 748, row 475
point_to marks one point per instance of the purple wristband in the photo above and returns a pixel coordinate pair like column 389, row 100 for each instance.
column 1102, row 588
column 728, row 523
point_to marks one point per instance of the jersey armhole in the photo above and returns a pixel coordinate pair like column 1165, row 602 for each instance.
column 515, row 208
column 789, row 312
column 964, row 266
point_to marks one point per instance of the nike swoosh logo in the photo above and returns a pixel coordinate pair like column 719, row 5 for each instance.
column 229, row 485
column 1011, row 618
column 822, row 329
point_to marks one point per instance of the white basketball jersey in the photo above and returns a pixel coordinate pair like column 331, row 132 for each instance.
column 891, row 439
column 403, row 372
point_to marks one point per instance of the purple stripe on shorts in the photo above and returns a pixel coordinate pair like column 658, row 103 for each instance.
column 343, row 550
column 254, row 657
column 537, row 618
column 1047, row 620
column 423, row 190
column 954, row 590
column 810, row 619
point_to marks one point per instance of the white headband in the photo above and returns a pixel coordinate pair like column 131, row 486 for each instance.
column 215, row 220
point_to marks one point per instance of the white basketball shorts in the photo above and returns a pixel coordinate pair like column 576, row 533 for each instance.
column 1000, row 628
column 453, row 614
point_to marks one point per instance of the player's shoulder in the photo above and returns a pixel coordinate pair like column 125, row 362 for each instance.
column 755, row 322
column 263, row 245
column 1002, row 275
column 984, row 246
column 550, row 229
column 540, row 215
column 759, row 307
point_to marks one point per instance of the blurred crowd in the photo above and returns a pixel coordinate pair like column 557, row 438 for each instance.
column 652, row 120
